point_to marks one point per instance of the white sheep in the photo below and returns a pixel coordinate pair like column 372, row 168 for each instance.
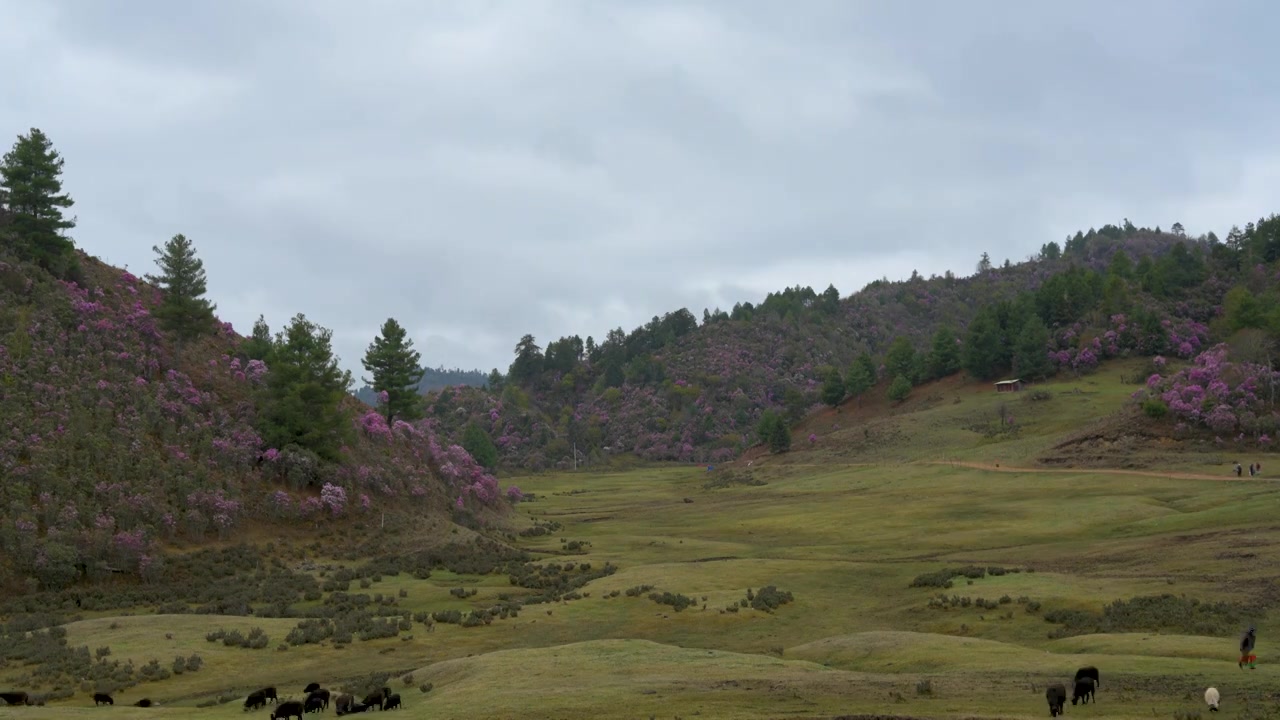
column 1211, row 697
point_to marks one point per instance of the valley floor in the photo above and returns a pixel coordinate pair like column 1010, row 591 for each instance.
column 848, row 540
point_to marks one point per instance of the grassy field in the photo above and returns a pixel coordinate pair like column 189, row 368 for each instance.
column 845, row 532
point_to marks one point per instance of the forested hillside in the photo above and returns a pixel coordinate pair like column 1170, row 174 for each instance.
column 679, row 389
column 132, row 419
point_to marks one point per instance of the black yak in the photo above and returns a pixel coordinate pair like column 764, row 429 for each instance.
column 1056, row 694
column 291, row 708
column 1083, row 691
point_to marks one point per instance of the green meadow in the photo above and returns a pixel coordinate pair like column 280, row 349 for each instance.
column 844, row 524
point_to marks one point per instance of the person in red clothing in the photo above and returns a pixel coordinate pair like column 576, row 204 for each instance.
column 1247, row 642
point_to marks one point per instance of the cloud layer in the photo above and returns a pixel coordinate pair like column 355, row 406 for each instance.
column 484, row 170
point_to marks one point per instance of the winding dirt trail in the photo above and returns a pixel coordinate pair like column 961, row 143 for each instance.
column 994, row 467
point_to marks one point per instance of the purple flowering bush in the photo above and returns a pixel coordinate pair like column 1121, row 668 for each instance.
column 1230, row 399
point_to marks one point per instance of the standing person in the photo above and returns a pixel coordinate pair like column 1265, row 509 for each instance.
column 1239, row 470
column 1247, row 641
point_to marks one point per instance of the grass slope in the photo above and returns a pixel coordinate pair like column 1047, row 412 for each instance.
column 845, row 531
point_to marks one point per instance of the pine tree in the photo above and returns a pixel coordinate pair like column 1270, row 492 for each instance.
column 983, row 347
column 900, row 388
column 901, row 359
column 861, row 376
column 832, row 388
column 1031, row 351
column 33, row 197
column 775, row 432
column 944, row 355
column 477, row 442
column 305, row 388
column 396, row 369
column 184, row 311
column 259, row 344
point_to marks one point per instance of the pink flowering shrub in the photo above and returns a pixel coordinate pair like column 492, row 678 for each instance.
column 1228, row 398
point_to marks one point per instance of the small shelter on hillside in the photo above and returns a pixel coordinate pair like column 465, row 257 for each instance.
column 1013, row 385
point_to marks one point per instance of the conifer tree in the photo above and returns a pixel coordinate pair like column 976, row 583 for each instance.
column 397, row 369
column 184, row 311
column 302, row 404
column 832, row 388
column 30, row 176
column 861, row 377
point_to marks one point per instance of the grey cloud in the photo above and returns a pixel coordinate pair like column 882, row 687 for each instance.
column 483, row 170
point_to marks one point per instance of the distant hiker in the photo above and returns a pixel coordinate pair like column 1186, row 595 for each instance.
column 1252, row 471
column 1247, row 642
column 1239, row 470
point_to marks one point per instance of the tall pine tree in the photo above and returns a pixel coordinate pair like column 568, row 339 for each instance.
column 305, row 387
column 397, row 369
column 184, row 311
column 31, row 177
column 1031, row 351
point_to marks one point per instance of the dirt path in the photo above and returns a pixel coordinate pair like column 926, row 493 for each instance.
column 993, row 467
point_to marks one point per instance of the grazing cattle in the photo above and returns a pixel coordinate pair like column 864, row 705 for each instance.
column 16, row 698
column 1056, row 694
column 255, row 700
column 1211, row 699
column 1089, row 671
column 392, row 701
column 314, row 704
column 311, row 687
column 144, row 702
column 377, row 698
column 1082, row 691
column 360, row 707
column 320, row 694
column 290, row 708
column 269, row 693
column 102, row 699
column 343, row 703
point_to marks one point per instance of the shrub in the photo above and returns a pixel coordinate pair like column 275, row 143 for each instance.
column 1154, row 408
column 924, row 687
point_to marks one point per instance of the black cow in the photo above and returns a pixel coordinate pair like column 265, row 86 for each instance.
column 1082, row 691
column 255, row 700
column 377, row 698
column 102, row 699
column 144, row 702
column 392, row 701
column 1056, row 694
column 314, row 704
column 1089, row 671
column 269, row 693
column 360, row 707
column 311, row 687
column 16, row 698
column 343, row 703
column 322, row 695
column 290, row 708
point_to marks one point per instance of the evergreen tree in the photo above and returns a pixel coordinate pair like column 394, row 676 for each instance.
column 900, row 388
column 184, row 311
column 31, row 177
column 861, row 377
column 944, row 355
column 495, row 381
column 528, row 363
column 305, row 388
column 901, row 359
column 984, row 263
column 982, row 348
column 775, row 431
column 832, row 388
column 396, row 368
column 1031, row 351
column 259, row 344
column 477, row 442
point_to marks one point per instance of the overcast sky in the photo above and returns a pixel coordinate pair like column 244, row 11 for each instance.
column 481, row 169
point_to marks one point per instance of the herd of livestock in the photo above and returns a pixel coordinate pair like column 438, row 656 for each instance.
column 317, row 700
column 1086, row 684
